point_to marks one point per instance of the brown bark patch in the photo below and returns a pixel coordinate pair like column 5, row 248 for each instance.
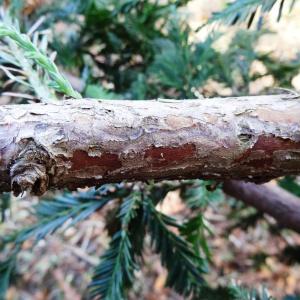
column 163, row 156
column 82, row 160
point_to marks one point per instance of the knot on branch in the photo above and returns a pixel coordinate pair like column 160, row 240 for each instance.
column 29, row 172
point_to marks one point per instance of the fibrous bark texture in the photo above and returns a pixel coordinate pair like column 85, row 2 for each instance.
column 79, row 143
column 268, row 198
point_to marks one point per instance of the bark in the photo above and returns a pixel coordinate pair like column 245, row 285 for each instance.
column 79, row 143
column 268, row 198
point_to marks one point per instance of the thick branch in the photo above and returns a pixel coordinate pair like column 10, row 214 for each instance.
column 79, row 143
column 268, row 198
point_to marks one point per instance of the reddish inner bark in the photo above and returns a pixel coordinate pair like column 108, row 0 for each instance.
column 164, row 156
column 272, row 143
column 268, row 144
column 81, row 160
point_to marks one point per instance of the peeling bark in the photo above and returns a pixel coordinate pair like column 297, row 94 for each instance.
column 79, row 143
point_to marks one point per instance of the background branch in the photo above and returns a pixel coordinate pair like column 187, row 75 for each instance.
column 269, row 198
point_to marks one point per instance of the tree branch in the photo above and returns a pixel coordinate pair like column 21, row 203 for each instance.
column 79, row 143
column 268, row 198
